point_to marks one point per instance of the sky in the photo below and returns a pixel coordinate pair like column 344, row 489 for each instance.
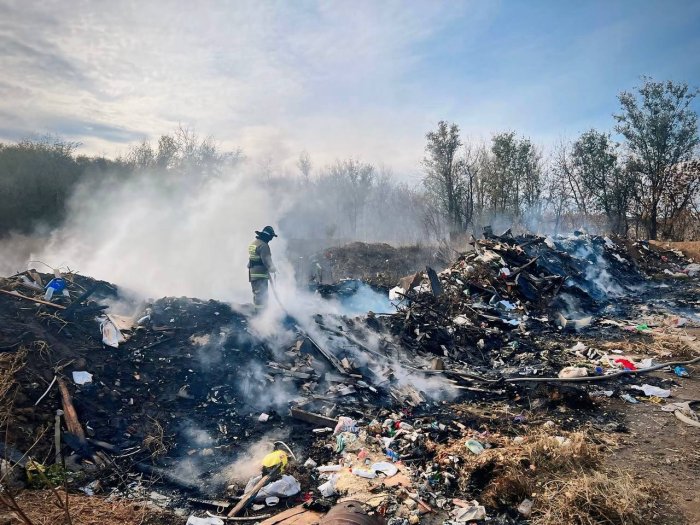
column 339, row 79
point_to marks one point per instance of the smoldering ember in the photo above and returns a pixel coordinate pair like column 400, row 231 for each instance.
column 528, row 379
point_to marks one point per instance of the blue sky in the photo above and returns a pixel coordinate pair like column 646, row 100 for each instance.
column 365, row 79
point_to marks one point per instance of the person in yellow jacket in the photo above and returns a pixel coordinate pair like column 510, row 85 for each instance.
column 260, row 267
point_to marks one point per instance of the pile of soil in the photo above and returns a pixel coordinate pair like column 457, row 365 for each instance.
column 379, row 264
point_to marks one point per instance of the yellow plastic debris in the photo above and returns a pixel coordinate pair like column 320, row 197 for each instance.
column 278, row 457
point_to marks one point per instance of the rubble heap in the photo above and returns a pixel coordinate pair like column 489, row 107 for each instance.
column 411, row 412
column 506, row 287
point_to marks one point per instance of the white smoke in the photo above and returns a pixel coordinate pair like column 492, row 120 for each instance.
column 165, row 238
column 262, row 392
column 249, row 461
column 597, row 271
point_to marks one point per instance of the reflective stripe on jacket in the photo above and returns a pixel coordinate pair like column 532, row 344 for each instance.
column 259, row 260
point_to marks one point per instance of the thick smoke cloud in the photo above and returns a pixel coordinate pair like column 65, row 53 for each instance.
column 185, row 231
column 161, row 237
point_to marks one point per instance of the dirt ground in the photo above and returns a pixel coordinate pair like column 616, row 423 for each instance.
column 660, row 447
column 690, row 248
column 378, row 264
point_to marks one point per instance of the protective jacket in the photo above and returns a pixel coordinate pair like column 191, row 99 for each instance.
column 259, row 260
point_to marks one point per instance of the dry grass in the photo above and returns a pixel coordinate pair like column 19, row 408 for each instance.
column 156, row 441
column 566, row 480
column 658, row 344
column 8, row 283
column 40, row 507
column 611, row 497
column 513, row 472
column 10, row 364
column 689, row 248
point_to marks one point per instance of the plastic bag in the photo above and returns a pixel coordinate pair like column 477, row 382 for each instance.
column 328, row 488
column 625, row 363
column 650, row 390
column 573, row 371
column 111, row 336
column 388, row 469
column 282, row 488
column 345, row 424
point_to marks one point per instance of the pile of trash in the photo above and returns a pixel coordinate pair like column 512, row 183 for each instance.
column 507, row 285
column 413, row 411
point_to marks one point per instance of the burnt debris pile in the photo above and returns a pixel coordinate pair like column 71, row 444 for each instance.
column 507, row 287
column 175, row 401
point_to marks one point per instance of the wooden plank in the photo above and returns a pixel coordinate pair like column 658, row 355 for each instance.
column 314, row 419
column 32, row 299
column 70, row 415
column 329, row 356
column 249, row 496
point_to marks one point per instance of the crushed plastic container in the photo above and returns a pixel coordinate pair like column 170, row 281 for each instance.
column 474, row 446
column 681, row 371
column 56, row 285
column 327, row 489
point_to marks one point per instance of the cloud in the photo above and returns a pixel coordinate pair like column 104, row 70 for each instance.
column 66, row 126
column 338, row 79
column 242, row 71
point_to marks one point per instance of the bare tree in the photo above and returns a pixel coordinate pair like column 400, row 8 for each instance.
column 354, row 181
column 304, row 165
column 557, row 196
column 472, row 166
column 141, row 156
column 166, row 156
column 181, row 154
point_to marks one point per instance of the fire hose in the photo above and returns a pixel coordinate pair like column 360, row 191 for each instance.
column 585, row 379
column 277, row 298
column 603, row 377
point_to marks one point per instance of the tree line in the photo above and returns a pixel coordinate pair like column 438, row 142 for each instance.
column 645, row 184
column 347, row 200
column 641, row 178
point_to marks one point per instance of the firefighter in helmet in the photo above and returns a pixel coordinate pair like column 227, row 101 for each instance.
column 260, row 267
